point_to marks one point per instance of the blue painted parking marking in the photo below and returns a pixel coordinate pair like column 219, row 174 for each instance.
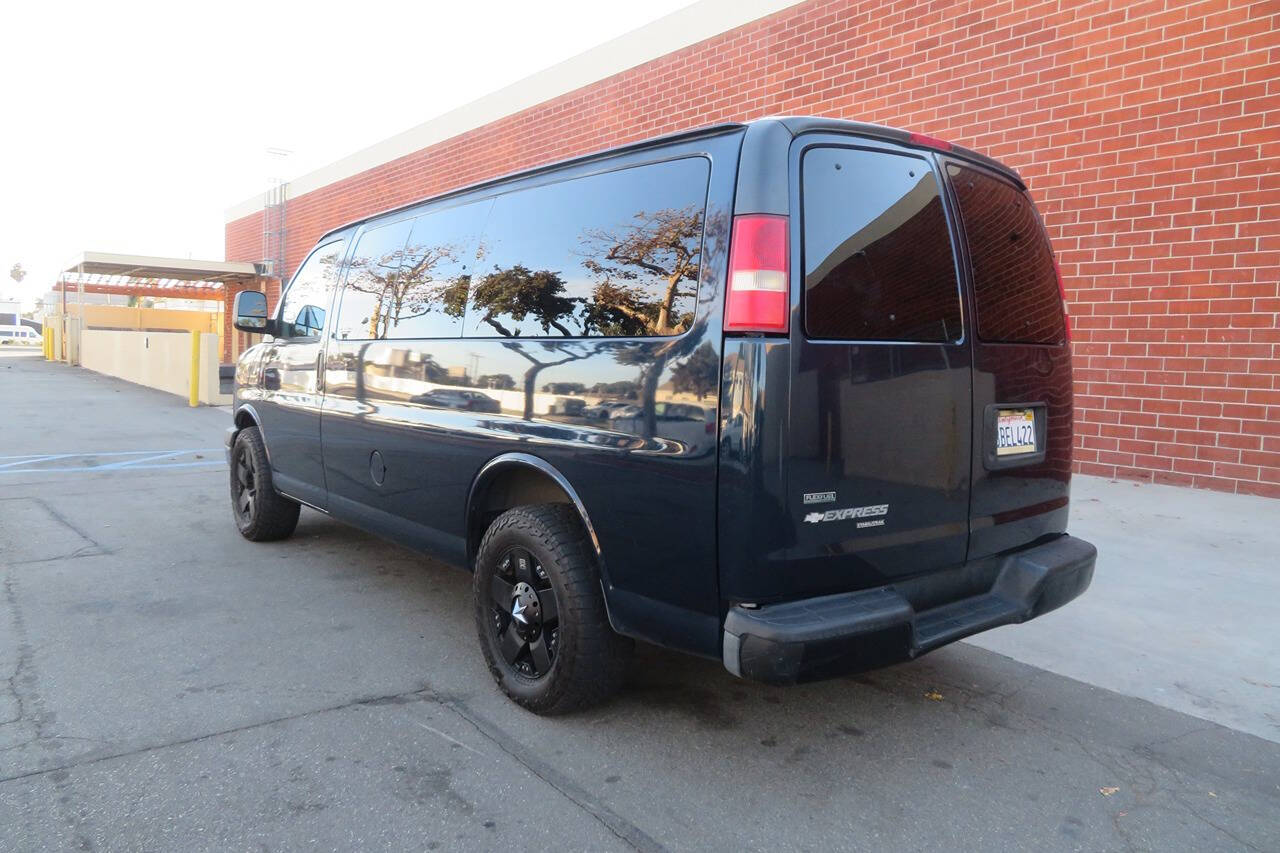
column 121, row 460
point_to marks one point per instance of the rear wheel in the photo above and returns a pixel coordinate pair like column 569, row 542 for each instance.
column 262, row 514
column 540, row 612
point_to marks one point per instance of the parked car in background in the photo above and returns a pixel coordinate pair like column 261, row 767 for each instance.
column 571, row 406
column 625, row 411
column 471, row 401
column 603, row 409
column 693, row 426
column 878, row 464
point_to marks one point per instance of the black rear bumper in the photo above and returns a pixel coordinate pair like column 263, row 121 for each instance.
column 851, row 632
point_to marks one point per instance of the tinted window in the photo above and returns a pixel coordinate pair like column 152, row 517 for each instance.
column 367, row 307
column 1014, row 282
column 614, row 254
column 410, row 279
column 307, row 299
column 878, row 258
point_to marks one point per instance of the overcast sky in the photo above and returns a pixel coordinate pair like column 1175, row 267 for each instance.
column 130, row 127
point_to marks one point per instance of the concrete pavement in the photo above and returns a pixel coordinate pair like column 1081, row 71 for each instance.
column 172, row 686
column 1182, row 609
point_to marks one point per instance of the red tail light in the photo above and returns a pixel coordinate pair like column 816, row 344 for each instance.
column 929, row 141
column 759, row 298
column 1062, row 291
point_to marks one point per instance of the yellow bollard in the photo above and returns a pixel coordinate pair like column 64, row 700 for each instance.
column 44, row 342
column 195, row 368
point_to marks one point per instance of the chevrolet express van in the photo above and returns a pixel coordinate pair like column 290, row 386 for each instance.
column 794, row 395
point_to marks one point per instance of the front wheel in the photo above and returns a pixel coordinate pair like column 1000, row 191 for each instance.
column 262, row 514
column 540, row 612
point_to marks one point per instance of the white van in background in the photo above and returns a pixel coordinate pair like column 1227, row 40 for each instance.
column 20, row 335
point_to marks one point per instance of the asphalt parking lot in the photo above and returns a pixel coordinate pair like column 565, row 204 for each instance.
column 166, row 685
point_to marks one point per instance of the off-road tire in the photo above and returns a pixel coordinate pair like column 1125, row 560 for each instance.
column 271, row 515
column 590, row 661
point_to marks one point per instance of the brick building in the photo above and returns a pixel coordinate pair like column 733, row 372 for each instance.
column 1147, row 130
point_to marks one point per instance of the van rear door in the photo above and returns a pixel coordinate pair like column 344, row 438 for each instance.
column 880, row 428
column 1022, row 365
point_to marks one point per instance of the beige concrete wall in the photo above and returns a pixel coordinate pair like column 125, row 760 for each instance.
column 145, row 319
column 149, row 319
column 159, row 360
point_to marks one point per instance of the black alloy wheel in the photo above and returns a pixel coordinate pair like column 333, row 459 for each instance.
column 244, row 484
column 540, row 611
column 526, row 616
column 262, row 514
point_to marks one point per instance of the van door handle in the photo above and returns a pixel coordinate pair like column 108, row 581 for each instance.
column 271, row 379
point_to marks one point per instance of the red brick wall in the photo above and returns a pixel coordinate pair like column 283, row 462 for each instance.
column 1149, row 133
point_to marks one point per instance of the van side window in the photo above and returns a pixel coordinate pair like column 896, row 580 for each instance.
column 410, row 279
column 609, row 255
column 1015, row 285
column 307, row 299
column 878, row 260
column 371, row 277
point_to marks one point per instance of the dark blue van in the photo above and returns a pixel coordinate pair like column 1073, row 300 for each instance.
column 792, row 394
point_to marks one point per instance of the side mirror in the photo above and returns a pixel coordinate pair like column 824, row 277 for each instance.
column 249, row 312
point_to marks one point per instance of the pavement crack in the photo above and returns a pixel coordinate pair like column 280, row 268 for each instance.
column 1164, row 741
column 1217, row 826
column 91, row 759
column 625, row 830
column 23, row 676
column 86, row 551
column 67, row 523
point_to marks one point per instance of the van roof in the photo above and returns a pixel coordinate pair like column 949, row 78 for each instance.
column 806, row 124
column 793, row 125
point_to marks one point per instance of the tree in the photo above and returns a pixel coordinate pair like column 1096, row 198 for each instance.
column 664, row 245
column 698, row 374
column 17, row 273
column 571, row 352
column 651, row 357
column 624, row 389
column 564, row 388
column 407, row 284
column 497, row 381
column 518, row 292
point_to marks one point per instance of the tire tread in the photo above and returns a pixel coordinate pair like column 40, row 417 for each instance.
column 592, row 663
column 276, row 515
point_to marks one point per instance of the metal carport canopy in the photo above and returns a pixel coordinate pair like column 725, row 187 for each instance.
column 145, row 275
column 175, row 278
column 146, row 266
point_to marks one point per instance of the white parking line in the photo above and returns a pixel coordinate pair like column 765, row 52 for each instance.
column 142, row 460
column 31, row 459
column 33, row 456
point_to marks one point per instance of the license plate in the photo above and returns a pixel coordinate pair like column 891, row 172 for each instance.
column 1015, row 431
